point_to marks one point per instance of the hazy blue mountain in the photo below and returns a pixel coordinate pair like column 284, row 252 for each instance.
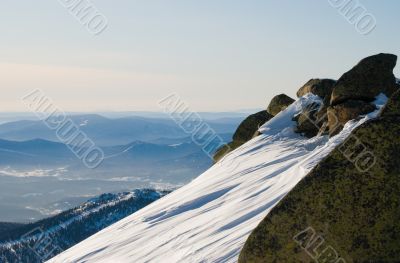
column 39, row 178
column 108, row 132
column 34, row 152
column 205, row 115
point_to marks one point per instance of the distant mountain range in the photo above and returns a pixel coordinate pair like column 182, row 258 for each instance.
column 45, row 153
column 17, row 116
column 31, row 171
column 40, row 176
column 109, row 132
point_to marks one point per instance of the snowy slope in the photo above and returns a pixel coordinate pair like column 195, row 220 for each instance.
column 210, row 219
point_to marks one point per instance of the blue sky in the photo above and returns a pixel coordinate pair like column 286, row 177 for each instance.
column 219, row 55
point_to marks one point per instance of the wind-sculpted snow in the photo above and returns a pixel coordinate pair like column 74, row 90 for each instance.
column 209, row 219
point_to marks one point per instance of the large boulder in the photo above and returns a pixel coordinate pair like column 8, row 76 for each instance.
column 353, row 92
column 279, row 103
column 340, row 114
column 244, row 133
column 345, row 210
column 392, row 107
column 320, row 87
column 370, row 77
column 250, row 125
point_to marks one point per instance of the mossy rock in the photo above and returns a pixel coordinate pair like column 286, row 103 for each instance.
column 370, row 77
column 279, row 103
column 250, row 126
column 244, row 133
column 351, row 200
column 320, row 87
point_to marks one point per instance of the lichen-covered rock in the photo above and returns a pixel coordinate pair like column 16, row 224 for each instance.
column 250, row 125
column 340, row 114
column 244, row 133
column 350, row 202
column 370, row 77
column 320, row 87
column 279, row 103
column 392, row 107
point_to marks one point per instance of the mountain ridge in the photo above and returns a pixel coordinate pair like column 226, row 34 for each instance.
column 69, row 227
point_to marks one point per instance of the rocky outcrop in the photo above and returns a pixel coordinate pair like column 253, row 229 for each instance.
column 357, row 88
column 370, row 77
column 279, row 103
column 343, row 100
column 345, row 210
column 244, row 133
column 320, row 87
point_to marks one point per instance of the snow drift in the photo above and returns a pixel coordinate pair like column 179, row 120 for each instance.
column 210, row 219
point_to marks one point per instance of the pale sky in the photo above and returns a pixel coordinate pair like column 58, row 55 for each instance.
column 218, row 55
